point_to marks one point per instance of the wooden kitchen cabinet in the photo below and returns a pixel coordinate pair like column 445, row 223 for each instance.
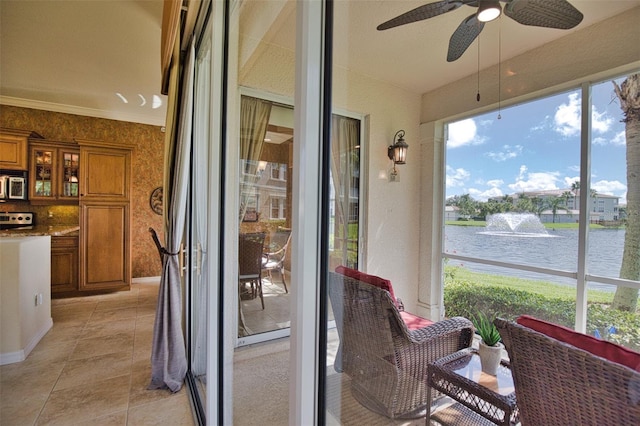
column 105, row 243
column 64, row 264
column 14, row 148
column 54, row 173
column 106, row 173
column 105, row 257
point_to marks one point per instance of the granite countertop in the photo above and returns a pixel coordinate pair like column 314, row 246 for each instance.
column 42, row 230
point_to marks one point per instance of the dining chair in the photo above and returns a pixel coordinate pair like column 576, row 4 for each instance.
column 250, row 262
column 156, row 241
column 275, row 253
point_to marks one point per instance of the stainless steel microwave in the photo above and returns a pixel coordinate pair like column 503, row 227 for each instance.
column 13, row 185
column 17, row 188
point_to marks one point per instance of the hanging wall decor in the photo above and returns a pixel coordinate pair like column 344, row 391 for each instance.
column 155, row 201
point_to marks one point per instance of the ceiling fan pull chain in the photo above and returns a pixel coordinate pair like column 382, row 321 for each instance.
column 499, row 66
column 478, row 94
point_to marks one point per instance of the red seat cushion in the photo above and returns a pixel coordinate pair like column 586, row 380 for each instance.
column 414, row 322
column 369, row 279
column 602, row 348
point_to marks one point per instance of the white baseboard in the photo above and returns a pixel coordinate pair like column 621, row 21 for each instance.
column 141, row 280
column 21, row 355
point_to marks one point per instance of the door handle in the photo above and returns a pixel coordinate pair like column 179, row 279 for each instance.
column 181, row 260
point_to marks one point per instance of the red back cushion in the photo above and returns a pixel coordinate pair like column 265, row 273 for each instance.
column 602, row 348
column 369, row 279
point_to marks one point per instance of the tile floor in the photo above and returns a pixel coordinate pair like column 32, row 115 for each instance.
column 276, row 313
column 92, row 367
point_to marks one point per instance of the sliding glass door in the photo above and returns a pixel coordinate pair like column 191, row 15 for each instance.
column 199, row 271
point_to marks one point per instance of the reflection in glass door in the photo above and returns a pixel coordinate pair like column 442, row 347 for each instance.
column 265, row 170
column 198, row 287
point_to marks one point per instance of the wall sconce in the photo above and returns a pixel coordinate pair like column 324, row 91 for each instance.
column 398, row 151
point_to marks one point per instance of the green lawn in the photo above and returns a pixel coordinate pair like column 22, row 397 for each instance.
column 483, row 223
column 556, row 291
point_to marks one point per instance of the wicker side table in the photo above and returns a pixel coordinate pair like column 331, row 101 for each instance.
column 481, row 399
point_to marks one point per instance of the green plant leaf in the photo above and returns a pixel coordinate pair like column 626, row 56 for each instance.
column 486, row 329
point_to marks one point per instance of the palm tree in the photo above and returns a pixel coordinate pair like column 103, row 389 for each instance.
column 555, row 204
column 566, row 196
column 628, row 93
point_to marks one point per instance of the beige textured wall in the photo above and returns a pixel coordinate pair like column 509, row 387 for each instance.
column 147, row 165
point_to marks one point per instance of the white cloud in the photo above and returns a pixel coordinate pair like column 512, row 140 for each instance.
column 508, row 153
column 568, row 180
column 541, row 126
column 464, row 132
column 480, row 195
column 613, row 187
column 567, row 117
column 623, row 199
column 494, row 183
column 537, row 181
column 599, row 141
column 600, row 122
column 620, row 139
column 456, row 177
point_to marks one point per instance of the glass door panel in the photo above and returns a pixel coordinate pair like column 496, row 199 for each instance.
column 199, row 284
column 44, row 169
column 373, row 213
column 259, row 170
column 614, row 196
column 70, row 173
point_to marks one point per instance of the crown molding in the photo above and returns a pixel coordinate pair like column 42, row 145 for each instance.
column 90, row 112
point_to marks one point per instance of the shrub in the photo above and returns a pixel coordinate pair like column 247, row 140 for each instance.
column 463, row 298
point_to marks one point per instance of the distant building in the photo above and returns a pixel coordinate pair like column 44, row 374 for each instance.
column 602, row 207
column 451, row 213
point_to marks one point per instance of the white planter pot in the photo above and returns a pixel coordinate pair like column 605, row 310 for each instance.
column 490, row 357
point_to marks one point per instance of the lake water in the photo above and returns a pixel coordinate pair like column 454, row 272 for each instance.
column 557, row 250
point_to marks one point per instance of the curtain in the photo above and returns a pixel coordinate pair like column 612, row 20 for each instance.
column 168, row 355
column 199, row 205
column 254, row 119
column 345, row 135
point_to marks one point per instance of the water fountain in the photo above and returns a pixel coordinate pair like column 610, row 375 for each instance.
column 516, row 224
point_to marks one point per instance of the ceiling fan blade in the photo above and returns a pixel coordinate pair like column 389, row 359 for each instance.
column 463, row 36
column 544, row 13
column 422, row 12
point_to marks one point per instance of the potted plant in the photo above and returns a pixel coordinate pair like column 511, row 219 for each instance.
column 490, row 348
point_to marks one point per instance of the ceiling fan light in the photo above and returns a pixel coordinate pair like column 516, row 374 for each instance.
column 488, row 10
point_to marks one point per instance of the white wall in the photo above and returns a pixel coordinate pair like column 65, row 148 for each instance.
column 26, row 273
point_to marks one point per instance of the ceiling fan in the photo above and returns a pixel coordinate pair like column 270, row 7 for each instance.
column 558, row 14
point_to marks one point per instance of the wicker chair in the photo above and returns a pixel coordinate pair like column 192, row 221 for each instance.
column 387, row 363
column 559, row 384
column 250, row 262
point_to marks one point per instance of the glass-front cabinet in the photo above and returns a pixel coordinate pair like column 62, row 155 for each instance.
column 54, row 172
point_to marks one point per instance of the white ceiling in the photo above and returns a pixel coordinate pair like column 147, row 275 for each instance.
column 75, row 56
column 413, row 56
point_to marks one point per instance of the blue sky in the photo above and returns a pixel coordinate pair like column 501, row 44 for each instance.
column 536, row 146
